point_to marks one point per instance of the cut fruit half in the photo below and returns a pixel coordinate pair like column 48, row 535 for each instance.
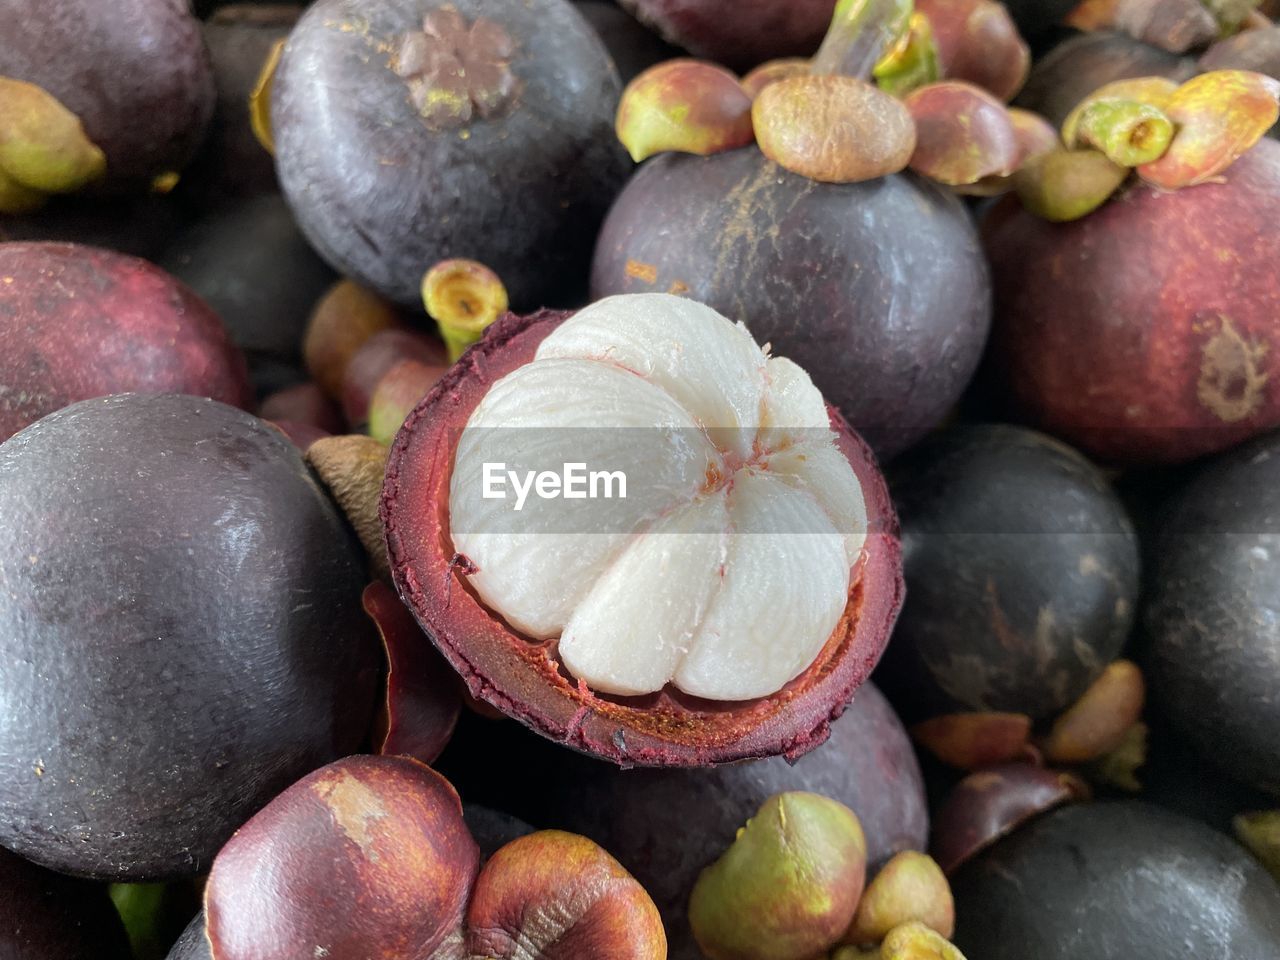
column 724, row 575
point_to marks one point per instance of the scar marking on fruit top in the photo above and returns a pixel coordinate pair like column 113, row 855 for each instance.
column 355, row 808
column 1231, row 380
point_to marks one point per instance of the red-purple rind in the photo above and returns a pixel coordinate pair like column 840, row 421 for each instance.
column 523, row 679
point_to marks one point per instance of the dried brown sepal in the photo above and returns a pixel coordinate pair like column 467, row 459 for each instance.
column 915, row 941
column 1119, row 767
column 352, row 468
column 979, row 42
column 985, row 806
column 1152, row 91
column 913, row 62
column 686, row 106
column 963, row 134
column 43, row 145
column 1260, row 832
column 772, row 71
column 423, row 696
column 558, row 896
column 1066, row 185
column 1097, row 722
column 910, row 887
column 1257, row 50
column 833, row 129
column 260, row 99
column 344, row 318
column 1220, row 116
column 971, row 741
column 1173, row 25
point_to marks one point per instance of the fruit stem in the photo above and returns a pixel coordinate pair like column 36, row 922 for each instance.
column 464, row 297
column 1130, row 133
column 861, row 32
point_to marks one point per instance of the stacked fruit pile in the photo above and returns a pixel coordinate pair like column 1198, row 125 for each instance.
column 848, row 528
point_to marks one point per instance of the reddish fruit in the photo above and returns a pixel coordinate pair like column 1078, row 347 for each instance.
column 1166, row 351
column 367, row 857
column 525, row 679
column 77, row 322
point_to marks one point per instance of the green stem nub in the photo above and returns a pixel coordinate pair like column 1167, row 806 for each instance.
column 464, row 297
column 861, row 32
column 1128, row 132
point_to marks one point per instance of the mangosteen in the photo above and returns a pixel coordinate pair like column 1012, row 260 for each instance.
column 665, row 826
column 412, row 131
column 1084, row 62
column 78, row 322
column 182, row 632
column 632, row 47
column 232, row 164
column 879, row 289
column 1022, row 575
column 45, row 916
column 1213, row 647
column 250, row 263
column 135, row 72
column 1121, row 879
column 1145, row 331
column 724, row 582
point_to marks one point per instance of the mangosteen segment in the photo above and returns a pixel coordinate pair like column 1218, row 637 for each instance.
column 709, row 569
column 768, row 634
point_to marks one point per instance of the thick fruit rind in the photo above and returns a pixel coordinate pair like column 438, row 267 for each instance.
column 523, row 679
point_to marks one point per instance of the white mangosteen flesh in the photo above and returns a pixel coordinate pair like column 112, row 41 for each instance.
column 727, row 564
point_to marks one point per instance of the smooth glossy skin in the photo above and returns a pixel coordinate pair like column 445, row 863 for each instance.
column 1145, row 332
column 181, row 628
column 383, row 196
column 878, row 289
column 665, row 826
column 1116, row 880
column 1022, row 575
column 148, row 113
column 78, row 322
column 1213, row 643
column 250, row 263
column 44, row 916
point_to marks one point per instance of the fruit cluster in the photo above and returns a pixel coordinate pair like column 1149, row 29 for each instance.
column 577, row 480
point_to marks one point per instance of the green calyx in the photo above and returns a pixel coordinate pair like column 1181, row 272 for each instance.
column 912, row 62
column 1068, row 184
column 1129, row 132
column 43, row 148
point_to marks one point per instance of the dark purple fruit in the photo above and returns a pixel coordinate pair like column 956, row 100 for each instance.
column 665, row 826
column 136, row 73
column 633, row 47
column 1082, row 64
column 181, row 630
column 44, row 916
column 250, row 263
column 232, row 163
column 1213, row 643
column 878, row 289
column 1116, row 880
column 504, row 154
column 1022, row 575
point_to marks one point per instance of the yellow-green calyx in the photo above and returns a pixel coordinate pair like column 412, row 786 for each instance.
column 910, row 887
column 787, row 887
column 1068, row 184
column 912, row 62
column 463, row 297
column 43, row 148
column 1128, row 132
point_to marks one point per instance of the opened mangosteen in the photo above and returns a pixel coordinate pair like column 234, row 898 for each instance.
column 666, row 826
column 250, row 263
column 135, row 74
column 182, row 633
column 1022, row 575
column 716, row 583
column 45, row 916
column 411, row 131
column 77, row 322
column 1115, row 879
column 1144, row 331
column 1213, row 650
